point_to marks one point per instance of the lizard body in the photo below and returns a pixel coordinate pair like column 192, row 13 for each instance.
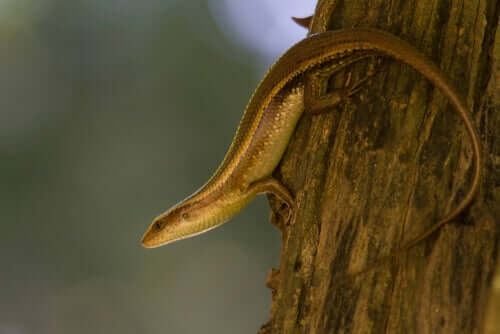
column 268, row 123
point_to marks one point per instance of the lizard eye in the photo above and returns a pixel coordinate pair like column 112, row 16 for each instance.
column 158, row 225
column 185, row 215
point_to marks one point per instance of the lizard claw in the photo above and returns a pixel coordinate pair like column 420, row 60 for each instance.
column 287, row 211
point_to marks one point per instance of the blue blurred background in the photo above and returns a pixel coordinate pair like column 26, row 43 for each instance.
column 111, row 112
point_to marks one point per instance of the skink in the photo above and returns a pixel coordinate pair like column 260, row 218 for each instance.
column 268, row 123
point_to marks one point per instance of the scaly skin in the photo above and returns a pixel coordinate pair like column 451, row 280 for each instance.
column 268, row 123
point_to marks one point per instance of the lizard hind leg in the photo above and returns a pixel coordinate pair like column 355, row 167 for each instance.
column 318, row 99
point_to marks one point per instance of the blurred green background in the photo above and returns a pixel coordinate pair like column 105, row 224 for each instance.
column 111, row 112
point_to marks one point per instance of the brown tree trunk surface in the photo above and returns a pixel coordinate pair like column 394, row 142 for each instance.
column 383, row 167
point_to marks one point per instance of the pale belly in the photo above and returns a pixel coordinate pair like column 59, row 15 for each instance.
column 272, row 136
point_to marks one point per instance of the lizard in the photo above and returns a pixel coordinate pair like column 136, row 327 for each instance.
column 269, row 120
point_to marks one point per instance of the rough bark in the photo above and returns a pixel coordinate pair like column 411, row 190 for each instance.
column 382, row 168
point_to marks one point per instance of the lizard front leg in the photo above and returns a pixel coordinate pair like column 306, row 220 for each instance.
column 274, row 186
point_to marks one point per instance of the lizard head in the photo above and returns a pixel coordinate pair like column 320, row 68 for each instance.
column 180, row 222
column 193, row 216
column 186, row 219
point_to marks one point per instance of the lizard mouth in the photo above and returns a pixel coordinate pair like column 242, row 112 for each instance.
column 148, row 240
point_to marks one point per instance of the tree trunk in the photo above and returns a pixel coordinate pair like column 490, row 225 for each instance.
column 383, row 167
